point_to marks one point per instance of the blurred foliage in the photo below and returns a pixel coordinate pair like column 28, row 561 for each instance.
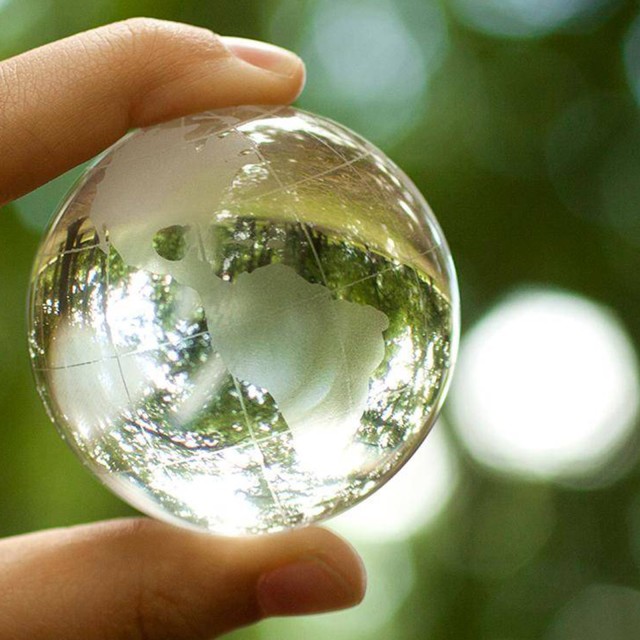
column 526, row 145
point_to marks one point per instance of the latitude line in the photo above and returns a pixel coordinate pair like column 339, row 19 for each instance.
column 229, row 128
column 67, row 252
column 219, row 451
column 328, row 146
column 286, row 189
column 307, row 179
column 135, row 352
column 200, row 334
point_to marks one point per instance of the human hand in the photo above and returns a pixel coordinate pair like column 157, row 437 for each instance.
column 60, row 105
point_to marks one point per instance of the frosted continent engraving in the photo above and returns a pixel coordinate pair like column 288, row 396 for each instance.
column 271, row 327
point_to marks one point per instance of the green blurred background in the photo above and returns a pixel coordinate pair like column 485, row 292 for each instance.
column 519, row 120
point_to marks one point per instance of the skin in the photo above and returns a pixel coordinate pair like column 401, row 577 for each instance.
column 137, row 578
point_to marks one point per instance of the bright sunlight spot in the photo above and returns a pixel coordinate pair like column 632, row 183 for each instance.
column 547, row 386
column 412, row 499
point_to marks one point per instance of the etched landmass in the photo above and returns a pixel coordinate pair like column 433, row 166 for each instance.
column 272, row 328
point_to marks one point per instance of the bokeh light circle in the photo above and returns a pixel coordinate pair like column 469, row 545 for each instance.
column 370, row 62
column 526, row 18
column 547, row 386
column 599, row 611
column 631, row 55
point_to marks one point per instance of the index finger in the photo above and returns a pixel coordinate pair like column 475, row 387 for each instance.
column 64, row 102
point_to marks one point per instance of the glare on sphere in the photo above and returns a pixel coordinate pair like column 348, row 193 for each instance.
column 243, row 320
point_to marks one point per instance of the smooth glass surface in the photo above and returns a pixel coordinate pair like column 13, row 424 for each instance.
column 243, row 320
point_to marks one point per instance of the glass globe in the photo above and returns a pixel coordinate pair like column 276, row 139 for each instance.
column 243, row 320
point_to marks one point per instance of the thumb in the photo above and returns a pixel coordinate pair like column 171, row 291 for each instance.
column 62, row 103
column 144, row 579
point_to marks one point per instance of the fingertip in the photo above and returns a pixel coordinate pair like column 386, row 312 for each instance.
column 353, row 566
column 345, row 558
column 307, row 586
column 265, row 55
column 325, row 574
column 269, row 57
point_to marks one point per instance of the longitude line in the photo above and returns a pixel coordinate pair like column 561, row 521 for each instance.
column 106, row 322
column 255, row 442
column 317, row 260
column 142, row 430
column 200, row 243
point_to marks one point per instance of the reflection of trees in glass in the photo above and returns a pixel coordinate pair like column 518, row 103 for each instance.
column 152, row 433
column 404, row 387
column 418, row 313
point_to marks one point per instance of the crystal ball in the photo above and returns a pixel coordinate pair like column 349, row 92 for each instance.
column 243, row 320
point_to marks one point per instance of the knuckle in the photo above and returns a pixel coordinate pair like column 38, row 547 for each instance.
column 155, row 37
column 165, row 604
column 162, row 614
column 7, row 97
column 142, row 23
column 139, row 28
column 152, row 53
column 131, row 37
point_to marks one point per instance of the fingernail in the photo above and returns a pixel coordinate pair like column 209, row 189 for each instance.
column 264, row 55
column 308, row 586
